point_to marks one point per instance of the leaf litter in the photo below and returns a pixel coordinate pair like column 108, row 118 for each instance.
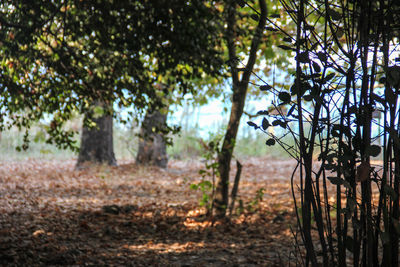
column 51, row 214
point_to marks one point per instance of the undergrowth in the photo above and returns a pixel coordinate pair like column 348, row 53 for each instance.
column 187, row 145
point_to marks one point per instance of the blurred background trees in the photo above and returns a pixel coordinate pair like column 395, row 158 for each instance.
column 59, row 58
column 104, row 59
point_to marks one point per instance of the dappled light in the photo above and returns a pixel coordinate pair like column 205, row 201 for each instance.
column 107, row 160
column 138, row 215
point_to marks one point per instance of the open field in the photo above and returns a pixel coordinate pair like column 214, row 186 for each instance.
column 51, row 214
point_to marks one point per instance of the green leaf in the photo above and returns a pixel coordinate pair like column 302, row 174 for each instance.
column 336, row 180
column 274, row 16
column 308, row 97
column 265, row 87
column 263, row 112
column 254, row 17
column 280, row 123
column 271, row 29
column 339, row 33
column 291, row 110
column 39, row 137
column 303, row 57
column 328, row 77
column 335, row 132
column 316, row 67
column 193, row 186
column 204, row 201
column 309, row 28
column 393, row 76
column 284, row 97
column 241, row 3
column 287, row 39
column 206, row 185
column 98, row 112
column 45, row 151
column 322, row 56
column 373, row 150
column 252, row 124
column 335, row 15
column 265, row 124
column 285, row 47
column 270, row 142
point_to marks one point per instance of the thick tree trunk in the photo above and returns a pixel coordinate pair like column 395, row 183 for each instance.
column 152, row 145
column 97, row 143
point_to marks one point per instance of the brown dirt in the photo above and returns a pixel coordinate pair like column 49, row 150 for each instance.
column 51, row 214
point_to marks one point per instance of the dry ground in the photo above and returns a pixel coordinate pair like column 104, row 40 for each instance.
column 51, row 215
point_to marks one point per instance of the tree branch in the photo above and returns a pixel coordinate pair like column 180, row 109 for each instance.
column 255, row 42
column 230, row 37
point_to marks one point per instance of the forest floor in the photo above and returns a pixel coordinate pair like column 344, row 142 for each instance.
column 51, row 215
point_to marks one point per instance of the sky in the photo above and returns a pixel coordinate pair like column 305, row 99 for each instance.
column 212, row 118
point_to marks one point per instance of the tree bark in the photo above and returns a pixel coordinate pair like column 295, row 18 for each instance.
column 152, row 145
column 239, row 89
column 97, row 142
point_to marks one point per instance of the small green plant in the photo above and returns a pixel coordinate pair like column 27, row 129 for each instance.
column 254, row 204
column 206, row 187
column 211, row 170
column 240, row 209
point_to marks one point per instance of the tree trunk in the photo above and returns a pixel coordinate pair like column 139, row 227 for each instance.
column 152, row 145
column 239, row 89
column 97, row 142
column 225, row 155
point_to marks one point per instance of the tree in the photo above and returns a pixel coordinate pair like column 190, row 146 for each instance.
column 239, row 91
column 152, row 143
column 97, row 140
column 70, row 55
column 152, row 147
column 157, row 154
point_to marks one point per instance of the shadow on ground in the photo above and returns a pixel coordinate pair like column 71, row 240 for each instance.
column 132, row 236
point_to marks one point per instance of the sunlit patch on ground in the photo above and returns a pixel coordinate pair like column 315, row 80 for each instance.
column 166, row 248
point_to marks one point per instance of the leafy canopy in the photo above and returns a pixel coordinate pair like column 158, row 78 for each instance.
column 59, row 57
